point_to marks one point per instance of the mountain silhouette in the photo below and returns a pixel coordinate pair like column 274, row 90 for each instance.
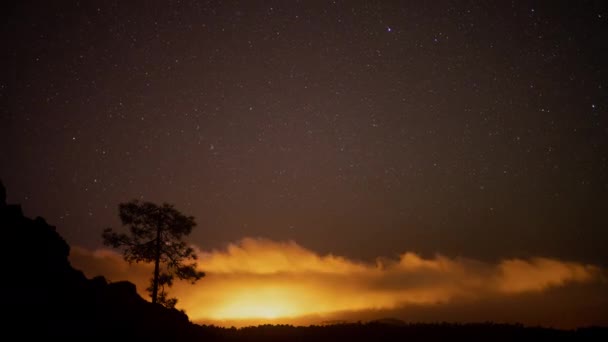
column 44, row 296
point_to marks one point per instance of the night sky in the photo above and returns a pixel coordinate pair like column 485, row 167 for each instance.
column 357, row 128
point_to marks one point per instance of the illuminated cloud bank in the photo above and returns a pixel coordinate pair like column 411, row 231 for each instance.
column 265, row 279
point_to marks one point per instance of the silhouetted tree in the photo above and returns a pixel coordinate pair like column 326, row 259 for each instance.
column 156, row 236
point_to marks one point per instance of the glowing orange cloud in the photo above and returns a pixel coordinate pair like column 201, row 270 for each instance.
column 264, row 279
column 540, row 273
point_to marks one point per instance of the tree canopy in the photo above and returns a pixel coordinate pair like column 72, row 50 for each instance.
column 155, row 236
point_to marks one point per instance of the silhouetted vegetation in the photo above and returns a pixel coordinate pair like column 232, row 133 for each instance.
column 379, row 331
column 45, row 297
column 156, row 236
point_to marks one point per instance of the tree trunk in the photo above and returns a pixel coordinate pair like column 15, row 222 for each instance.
column 156, row 264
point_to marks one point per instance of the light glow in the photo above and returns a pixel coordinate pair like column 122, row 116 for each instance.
column 259, row 280
column 268, row 303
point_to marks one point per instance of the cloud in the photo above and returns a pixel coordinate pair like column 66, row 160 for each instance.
column 265, row 279
column 262, row 256
column 540, row 273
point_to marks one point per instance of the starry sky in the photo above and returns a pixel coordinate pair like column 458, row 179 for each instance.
column 359, row 128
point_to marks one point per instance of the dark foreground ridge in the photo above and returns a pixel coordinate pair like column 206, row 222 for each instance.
column 47, row 296
column 44, row 296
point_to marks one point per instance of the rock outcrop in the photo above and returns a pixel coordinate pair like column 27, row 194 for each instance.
column 45, row 296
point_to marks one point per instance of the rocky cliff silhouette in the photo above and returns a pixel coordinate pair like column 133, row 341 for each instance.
column 45, row 296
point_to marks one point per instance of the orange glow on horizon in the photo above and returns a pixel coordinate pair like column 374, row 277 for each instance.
column 262, row 280
column 267, row 303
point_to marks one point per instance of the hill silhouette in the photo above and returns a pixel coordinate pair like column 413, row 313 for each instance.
column 44, row 296
column 45, row 292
